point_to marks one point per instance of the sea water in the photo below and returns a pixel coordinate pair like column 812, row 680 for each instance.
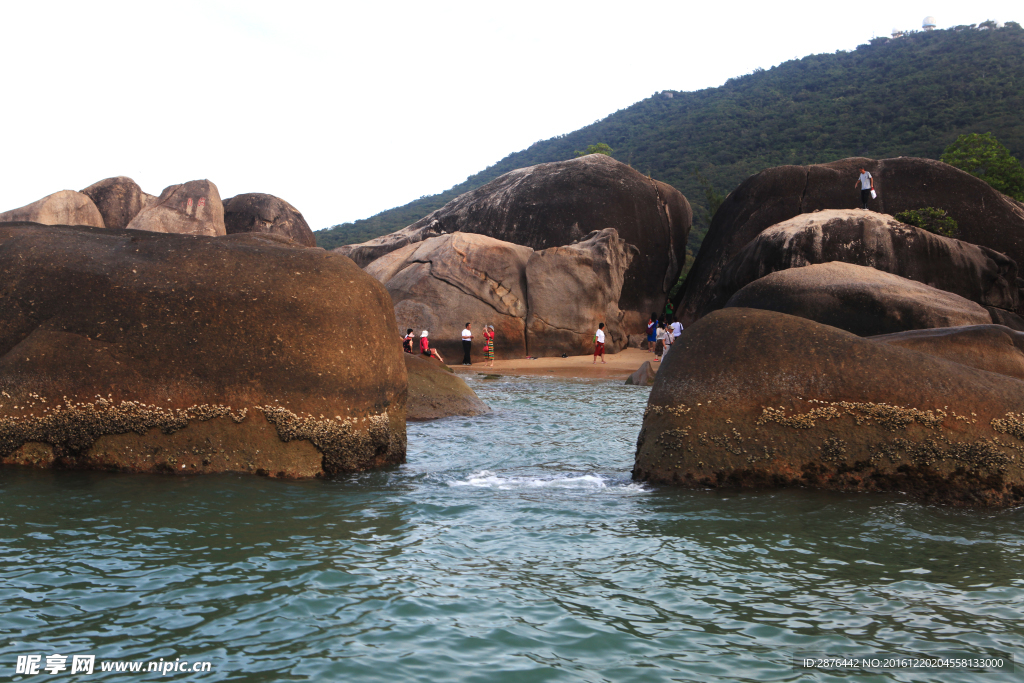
column 513, row 546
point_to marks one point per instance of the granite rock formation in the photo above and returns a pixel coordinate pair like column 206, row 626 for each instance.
column 757, row 398
column 66, row 207
column 192, row 208
column 858, row 299
column 255, row 212
column 573, row 288
column 557, row 204
column 134, row 351
column 442, row 283
column 985, row 216
column 436, row 392
column 118, row 199
column 993, row 348
column 544, row 302
column 877, row 241
column 644, row 375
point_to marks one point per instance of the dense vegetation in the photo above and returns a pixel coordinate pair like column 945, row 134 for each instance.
column 931, row 219
column 909, row 96
column 981, row 155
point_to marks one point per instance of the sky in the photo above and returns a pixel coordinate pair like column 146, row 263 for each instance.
column 346, row 109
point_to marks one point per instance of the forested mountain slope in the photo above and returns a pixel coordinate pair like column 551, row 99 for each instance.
column 909, row 96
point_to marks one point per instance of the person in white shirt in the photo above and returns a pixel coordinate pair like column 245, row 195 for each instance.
column 659, row 345
column 669, row 338
column 599, row 343
column 467, row 345
column 867, row 186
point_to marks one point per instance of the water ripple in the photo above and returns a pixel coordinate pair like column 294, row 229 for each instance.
column 512, row 547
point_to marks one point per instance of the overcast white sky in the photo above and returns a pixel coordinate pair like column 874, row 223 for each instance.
column 347, row 109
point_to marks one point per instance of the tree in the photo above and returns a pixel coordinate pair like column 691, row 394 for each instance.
column 983, row 156
column 599, row 148
column 931, row 219
column 713, row 198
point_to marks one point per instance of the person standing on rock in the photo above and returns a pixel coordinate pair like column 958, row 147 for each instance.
column 867, row 187
column 467, row 345
column 599, row 343
column 489, row 345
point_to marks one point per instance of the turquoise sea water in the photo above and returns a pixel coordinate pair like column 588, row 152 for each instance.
column 511, row 547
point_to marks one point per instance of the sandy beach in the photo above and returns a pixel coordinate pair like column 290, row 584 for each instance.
column 617, row 366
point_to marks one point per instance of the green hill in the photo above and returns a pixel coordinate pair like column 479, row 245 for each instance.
column 909, row 96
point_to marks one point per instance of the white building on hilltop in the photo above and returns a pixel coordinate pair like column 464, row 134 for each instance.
column 928, row 24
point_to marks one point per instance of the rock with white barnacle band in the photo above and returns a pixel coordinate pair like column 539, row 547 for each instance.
column 145, row 352
column 753, row 398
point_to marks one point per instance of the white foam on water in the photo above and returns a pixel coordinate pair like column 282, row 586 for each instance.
column 490, row 480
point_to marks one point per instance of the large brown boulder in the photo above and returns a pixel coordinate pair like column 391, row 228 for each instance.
column 764, row 399
column 442, row 283
column 255, row 212
column 436, row 392
column 66, row 207
column 557, row 204
column 985, row 216
column 192, row 208
column 993, row 348
column 877, row 241
column 546, row 302
column 119, row 200
column 858, row 299
column 134, row 351
column 574, row 288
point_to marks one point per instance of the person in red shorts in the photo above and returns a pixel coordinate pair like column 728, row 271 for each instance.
column 599, row 343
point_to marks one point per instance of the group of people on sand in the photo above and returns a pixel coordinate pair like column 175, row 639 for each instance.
column 661, row 332
column 467, row 344
column 660, row 335
column 409, row 343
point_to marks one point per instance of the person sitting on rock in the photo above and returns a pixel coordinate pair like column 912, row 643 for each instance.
column 407, row 342
column 867, row 186
column 425, row 347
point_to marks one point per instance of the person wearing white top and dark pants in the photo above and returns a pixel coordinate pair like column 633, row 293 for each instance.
column 467, row 345
column 599, row 343
column 867, row 187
